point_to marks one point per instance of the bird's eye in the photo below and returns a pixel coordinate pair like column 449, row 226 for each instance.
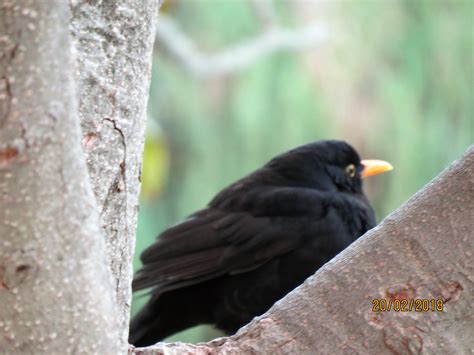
column 350, row 170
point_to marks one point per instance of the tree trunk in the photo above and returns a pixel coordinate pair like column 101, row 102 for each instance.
column 114, row 41
column 56, row 292
column 424, row 250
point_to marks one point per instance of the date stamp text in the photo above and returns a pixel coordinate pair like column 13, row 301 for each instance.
column 407, row 305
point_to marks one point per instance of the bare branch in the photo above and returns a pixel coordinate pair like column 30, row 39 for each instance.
column 56, row 294
column 182, row 49
column 421, row 251
column 114, row 43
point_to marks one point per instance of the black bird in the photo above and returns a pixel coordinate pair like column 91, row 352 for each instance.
column 256, row 241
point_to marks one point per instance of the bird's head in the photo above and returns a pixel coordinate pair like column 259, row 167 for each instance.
column 326, row 165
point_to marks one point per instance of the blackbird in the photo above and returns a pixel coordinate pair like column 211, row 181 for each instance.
column 255, row 241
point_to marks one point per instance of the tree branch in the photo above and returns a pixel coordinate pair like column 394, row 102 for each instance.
column 114, row 43
column 182, row 49
column 55, row 287
column 423, row 250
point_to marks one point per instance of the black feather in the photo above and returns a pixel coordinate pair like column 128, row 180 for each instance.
column 255, row 241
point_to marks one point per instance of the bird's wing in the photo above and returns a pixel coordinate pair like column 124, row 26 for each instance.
column 232, row 235
column 212, row 243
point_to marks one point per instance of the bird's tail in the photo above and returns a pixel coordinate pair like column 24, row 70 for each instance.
column 161, row 317
column 144, row 328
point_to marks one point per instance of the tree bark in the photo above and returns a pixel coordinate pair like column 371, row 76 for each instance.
column 56, row 292
column 423, row 250
column 114, row 41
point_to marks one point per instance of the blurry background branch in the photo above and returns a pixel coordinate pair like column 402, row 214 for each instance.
column 237, row 57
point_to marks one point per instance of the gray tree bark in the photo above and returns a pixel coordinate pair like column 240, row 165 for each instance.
column 423, row 250
column 56, row 292
column 114, row 41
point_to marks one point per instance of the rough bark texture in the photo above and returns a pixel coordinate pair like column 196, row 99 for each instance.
column 424, row 250
column 114, row 41
column 52, row 253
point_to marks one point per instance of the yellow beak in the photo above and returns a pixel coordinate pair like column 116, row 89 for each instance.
column 375, row 167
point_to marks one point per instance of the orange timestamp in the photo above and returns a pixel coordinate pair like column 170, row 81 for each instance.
column 407, row 305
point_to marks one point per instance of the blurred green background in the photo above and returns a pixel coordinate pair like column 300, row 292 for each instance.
column 393, row 78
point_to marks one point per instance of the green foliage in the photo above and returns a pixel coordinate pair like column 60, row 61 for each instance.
column 155, row 166
column 411, row 62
